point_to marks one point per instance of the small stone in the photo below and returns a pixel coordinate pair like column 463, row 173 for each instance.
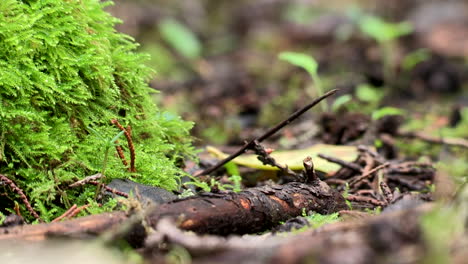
column 153, row 194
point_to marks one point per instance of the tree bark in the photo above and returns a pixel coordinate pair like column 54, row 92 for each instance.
column 254, row 210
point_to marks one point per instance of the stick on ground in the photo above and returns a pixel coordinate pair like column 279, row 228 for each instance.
column 253, row 210
column 267, row 134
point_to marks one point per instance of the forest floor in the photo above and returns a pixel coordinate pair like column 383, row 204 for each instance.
column 375, row 173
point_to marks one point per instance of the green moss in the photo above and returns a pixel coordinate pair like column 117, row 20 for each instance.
column 65, row 71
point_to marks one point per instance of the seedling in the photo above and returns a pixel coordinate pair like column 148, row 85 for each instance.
column 368, row 99
column 108, row 146
column 386, row 111
column 341, row 101
column 308, row 63
column 385, row 34
column 414, row 58
column 181, row 38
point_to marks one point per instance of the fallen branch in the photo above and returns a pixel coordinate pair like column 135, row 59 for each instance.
column 370, row 239
column 249, row 211
column 253, row 210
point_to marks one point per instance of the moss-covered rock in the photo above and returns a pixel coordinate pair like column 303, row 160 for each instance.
column 65, row 73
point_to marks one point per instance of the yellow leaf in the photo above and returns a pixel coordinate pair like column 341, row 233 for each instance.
column 294, row 158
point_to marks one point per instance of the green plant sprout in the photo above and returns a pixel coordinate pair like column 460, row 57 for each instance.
column 369, row 94
column 368, row 99
column 385, row 33
column 236, row 184
column 340, row 102
column 345, row 196
column 231, row 168
column 181, row 38
column 2, row 218
column 386, row 111
column 308, row 63
column 206, row 187
column 317, row 220
column 108, row 145
column 414, row 58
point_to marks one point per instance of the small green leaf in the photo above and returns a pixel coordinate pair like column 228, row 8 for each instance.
column 308, row 63
column 300, row 59
column 317, row 220
column 414, row 58
column 181, row 38
column 367, row 93
column 383, row 31
column 231, row 168
column 340, row 101
column 117, row 137
column 385, row 111
column 294, row 158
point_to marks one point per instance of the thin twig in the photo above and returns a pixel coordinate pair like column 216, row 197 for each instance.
column 368, row 192
column 86, row 180
column 365, row 199
column 77, row 210
column 335, row 181
column 131, row 147
column 20, row 192
column 70, row 213
column 266, row 135
column 349, row 165
column 372, row 153
column 459, row 142
column 364, row 176
column 359, row 185
column 386, row 191
column 263, row 155
column 109, row 189
column 65, row 215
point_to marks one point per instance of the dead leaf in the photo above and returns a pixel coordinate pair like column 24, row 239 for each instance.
column 293, row 158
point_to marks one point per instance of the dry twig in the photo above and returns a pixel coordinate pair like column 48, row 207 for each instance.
column 387, row 192
column 266, row 135
column 353, row 166
column 364, row 176
column 365, row 199
column 458, row 142
column 65, row 215
column 86, row 180
column 109, row 189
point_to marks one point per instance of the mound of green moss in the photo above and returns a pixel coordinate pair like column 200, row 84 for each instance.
column 65, row 73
